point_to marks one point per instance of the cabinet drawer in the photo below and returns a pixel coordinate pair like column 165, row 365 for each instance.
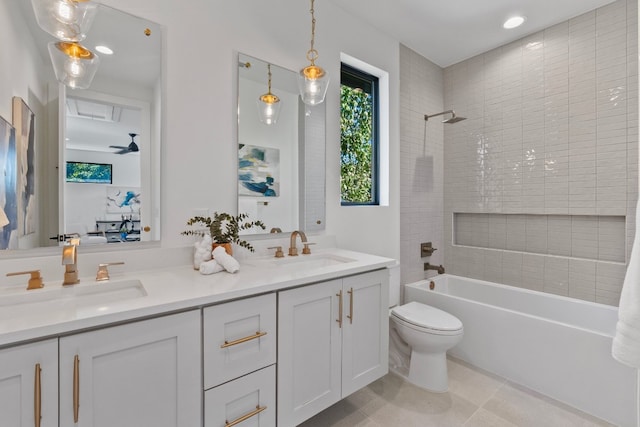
column 249, row 401
column 239, row 337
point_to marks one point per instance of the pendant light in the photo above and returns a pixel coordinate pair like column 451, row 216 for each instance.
column 67, row 20
column 74, row 65
column 268, row 105
column 313, row 80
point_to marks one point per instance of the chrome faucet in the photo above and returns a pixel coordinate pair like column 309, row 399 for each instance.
column 293, row 251
column 70, row 262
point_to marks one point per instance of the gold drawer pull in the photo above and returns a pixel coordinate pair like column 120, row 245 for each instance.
column 339, row 319
column 37, row 405
column 245, row 417
column 76, row 388
column 245, row 339
column 350, row 316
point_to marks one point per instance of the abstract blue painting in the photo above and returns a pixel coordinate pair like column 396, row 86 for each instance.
column 258, row 171
column 8, row 186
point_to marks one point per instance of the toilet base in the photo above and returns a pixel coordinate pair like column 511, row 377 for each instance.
column 429, row 371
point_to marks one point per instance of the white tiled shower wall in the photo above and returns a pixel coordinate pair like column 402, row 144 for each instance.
column 551, row 130
column 421, row 163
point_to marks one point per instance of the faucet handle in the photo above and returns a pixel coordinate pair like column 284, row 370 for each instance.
column 35, row 282
column 103, row 270
column 279, row 253
column 306, row 250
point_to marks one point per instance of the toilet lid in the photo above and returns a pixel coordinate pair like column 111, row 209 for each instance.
column 428, row 317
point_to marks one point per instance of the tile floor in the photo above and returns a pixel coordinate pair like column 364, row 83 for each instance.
column 475, row 399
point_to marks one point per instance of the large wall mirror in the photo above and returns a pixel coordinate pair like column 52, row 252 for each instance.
column 96, row 151
column 281, row 164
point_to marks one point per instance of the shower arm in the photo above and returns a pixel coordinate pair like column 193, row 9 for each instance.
column 427, row 117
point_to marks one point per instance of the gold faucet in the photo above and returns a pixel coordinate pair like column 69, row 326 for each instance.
column 70, row 262
column 293, row 251
column 35, row 282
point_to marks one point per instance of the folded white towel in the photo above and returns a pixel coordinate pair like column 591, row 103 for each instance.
column 210, row 267
column 224, row 259
column 626, row 343
column 202, row 251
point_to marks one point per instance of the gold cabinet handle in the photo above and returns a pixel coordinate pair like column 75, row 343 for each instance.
column 339, row 319
column 350, row 316
column 245, row 339
column 245, row 417
column 76, row 388
column 37, row 398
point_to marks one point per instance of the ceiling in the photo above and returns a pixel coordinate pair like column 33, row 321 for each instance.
column 447, row 32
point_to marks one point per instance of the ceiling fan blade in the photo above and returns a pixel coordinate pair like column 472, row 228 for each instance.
column 121, row 147
column 123, row 151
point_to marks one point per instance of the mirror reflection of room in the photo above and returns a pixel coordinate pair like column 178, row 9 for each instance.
column 268, row 173
column 71, row 126
column 102, row 184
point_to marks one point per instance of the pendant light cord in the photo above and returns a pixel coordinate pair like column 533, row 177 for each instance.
column 312, row 54
column 269, row 68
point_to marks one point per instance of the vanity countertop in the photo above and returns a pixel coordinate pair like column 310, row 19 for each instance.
column 167, row 290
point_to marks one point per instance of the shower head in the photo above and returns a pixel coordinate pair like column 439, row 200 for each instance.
column 452, row 119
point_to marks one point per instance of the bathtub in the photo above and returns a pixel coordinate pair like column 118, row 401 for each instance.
column 558, row 346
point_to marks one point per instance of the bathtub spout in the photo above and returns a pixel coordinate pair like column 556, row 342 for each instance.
column 438, row 268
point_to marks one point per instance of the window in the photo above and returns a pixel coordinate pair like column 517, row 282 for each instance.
column 359, row 157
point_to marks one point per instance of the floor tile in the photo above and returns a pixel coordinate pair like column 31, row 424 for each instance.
column 470, row 383
column 484, row 418
column 526, row 408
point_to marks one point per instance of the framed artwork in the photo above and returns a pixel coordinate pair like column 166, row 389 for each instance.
column 123, row 200
column 8, row 196
column 258, row 171
column 24, row 124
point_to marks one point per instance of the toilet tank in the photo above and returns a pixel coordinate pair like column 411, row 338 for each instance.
column 394, row 284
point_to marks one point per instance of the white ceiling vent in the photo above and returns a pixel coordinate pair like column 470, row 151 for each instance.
column 93, row 110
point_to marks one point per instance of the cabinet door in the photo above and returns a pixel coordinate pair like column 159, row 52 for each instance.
column 146, row 373
column 239, row 337
column 29, row 385
column 248, row 401
column 308, row 351
column 365, row 335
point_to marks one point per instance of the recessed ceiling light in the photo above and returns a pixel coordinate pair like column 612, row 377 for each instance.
column 513, row 22
column 104, row 49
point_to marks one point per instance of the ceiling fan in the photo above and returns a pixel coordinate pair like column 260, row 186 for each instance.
column 131, row 148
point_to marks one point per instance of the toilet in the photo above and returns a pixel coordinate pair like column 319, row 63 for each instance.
column 420, row 336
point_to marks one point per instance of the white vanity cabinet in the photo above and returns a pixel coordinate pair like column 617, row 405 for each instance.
column 239, row 349
column 145, row 373
column 332, row 341
column 29, row 385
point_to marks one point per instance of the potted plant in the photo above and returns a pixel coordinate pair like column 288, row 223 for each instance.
column 224, row 229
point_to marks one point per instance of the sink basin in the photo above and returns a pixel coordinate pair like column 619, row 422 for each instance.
column 82, row 295
column 307, row 262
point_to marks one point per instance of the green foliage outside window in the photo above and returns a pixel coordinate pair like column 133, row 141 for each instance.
column 356, row 130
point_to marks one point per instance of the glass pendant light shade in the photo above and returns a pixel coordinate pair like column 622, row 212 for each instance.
column 268, row 108
column 73, row 64
column 268, row 105
column 67, row 20
column 313, row 83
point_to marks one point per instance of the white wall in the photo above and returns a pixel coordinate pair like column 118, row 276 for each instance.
column 202, row 40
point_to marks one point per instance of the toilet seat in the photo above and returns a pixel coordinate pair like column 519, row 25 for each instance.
column 427, row 319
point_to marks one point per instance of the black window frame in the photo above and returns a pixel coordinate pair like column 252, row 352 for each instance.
column 355, row 78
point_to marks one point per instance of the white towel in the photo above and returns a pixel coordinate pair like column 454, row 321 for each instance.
column 202, row 251
column 626, row 343
column 224, row 259
column 210, row 267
